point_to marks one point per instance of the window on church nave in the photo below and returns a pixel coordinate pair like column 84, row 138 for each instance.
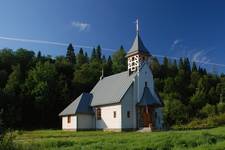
column 128, row 114
column 114, row 114
column 98, row 114
column 69, row 119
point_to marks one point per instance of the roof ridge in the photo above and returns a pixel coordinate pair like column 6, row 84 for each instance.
column 115, row 74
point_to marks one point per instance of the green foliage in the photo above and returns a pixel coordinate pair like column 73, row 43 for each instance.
column 7, row 143
column 119, row 61
column 70, row 55
column 1, row 121
column 14, row 82
column 198, row 100
column 210, row 122
column 24, row 58
column 40, row 80
column 81, row 58
column 35, row 88
column 174, row 111
column 221, row 107
column 208, row 110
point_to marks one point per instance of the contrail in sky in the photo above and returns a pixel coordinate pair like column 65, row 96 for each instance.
column 47, row 42
column 208, row 63
column 89, row 47
column 32, row 41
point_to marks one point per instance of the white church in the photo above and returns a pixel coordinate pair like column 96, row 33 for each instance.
column 120, row 102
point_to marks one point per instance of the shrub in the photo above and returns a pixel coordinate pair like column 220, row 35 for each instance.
column 208, row 110
column 6, row 141
column 210, row 122
column 221, row 107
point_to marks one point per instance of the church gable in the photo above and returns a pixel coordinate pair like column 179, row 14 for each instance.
column 80, row 105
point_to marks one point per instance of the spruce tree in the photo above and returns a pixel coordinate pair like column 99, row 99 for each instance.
column 70, row 54
column 103, row 59
column 119, row 60
column 194, row 67
column 108, row 68
column 39, row 55
column 98, row 53
column 80, row 58
column 86, row 57
column 93, row 55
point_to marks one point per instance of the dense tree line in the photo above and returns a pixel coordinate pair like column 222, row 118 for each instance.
column 35, row 88
column 188, row 91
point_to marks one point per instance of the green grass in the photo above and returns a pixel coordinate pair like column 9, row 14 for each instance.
column 206, row 139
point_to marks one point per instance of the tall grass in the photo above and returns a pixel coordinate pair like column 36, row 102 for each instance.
column 69, row 140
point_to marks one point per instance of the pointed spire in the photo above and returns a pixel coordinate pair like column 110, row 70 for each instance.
column 138, row 46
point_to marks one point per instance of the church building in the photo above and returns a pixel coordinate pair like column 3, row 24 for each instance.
column 123, row 101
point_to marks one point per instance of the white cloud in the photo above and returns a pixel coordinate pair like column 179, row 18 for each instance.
column 176, row 44
column 202, row 57
column 81, row 26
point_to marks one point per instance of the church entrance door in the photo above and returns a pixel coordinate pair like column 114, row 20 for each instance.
column 146, row 116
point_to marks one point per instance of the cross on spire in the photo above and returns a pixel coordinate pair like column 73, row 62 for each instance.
column 137, row 25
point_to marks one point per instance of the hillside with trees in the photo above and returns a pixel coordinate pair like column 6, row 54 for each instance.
column 35, row 88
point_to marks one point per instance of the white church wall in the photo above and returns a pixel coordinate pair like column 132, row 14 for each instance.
column 145, row 75
column 159, row 120
column 85, row 122
column 128, row 105
column 107, row 120
column 69, row 126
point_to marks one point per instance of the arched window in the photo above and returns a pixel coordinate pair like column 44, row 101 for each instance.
column 69, row 119
column 114, row 114
column 98, row 114
column 128, row 114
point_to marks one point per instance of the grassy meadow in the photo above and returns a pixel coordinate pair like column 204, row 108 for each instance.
column 206, row 139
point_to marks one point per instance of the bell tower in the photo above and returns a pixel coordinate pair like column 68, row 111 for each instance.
column 137, row 54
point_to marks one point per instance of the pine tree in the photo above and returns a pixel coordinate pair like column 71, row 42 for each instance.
column 103, row 59
column 156, row 67
column 81, row 58
column 13, row 85
column 70, row 54
column 187, row 66
column 93, row 55
column 119, row 60
column 98, row 53
column 86, row 57
column 39, row 55
column 108, row 69
column 194, row 67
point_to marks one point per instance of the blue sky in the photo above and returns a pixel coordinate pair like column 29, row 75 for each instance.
column 176, row 28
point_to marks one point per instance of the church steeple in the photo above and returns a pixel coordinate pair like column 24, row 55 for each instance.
column 138, row 53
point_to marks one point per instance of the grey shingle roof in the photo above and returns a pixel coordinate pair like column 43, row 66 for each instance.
column 149, row 99
column 111, row 89
column 138, row 46
column 79, row 105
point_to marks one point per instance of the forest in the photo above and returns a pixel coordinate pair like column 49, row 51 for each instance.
column 35, row 88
